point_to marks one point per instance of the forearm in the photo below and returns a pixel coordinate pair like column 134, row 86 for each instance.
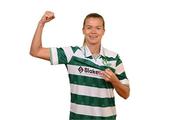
column 121, row 89
column 37, row 42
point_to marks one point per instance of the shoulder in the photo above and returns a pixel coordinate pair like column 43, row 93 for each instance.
column 113, row 57
column 75, row 48
column 69, row 49
column 110, row 53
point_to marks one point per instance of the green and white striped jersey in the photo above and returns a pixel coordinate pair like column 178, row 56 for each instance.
column 91, row 96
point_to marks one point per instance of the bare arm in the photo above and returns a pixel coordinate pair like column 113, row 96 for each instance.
column 37, row 50
column 121, row 89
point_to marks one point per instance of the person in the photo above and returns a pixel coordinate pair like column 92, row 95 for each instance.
column 94, row 71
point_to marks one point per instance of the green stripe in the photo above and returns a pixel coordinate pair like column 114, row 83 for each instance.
column 74, row 116
column 122, row 76
column 92, row 101
column 51, row 58
column 109, row 58
column 83, row 62
column 74, row 49
column 89, row 81
column 118, row 60
column 62, row 59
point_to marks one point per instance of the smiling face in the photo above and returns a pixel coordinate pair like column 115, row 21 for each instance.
column 93, row 30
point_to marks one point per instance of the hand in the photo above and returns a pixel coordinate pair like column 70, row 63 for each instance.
column 109, row 76
column 48, row 16
column 121, row 89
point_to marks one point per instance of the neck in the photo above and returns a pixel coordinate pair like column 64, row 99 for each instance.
column 95, row 49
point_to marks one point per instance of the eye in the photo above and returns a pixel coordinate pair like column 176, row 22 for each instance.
column 99, row 28
column 88, row 27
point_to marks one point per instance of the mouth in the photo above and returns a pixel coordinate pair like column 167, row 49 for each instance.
column 93, row 36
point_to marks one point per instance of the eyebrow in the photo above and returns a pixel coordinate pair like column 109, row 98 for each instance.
column 92, row 26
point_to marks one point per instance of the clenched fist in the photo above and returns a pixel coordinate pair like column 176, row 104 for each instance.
column 48, row 16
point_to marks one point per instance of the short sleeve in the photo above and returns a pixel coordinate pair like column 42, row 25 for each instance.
column 57, row 56
column 120, row 72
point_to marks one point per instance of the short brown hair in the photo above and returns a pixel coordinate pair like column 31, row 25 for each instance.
column 94, row 15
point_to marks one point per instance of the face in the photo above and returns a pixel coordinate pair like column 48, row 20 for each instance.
column 93, row 30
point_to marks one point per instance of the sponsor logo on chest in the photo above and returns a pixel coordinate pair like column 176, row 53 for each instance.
column 89, row 71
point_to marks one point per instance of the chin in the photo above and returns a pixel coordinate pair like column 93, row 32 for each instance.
column 93, row 43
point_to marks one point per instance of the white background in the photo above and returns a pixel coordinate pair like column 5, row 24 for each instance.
column 144, row 32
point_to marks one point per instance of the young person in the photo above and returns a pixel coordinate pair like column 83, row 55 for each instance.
column 94, row 71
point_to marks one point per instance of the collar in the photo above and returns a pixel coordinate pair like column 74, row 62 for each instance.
column 87, row 52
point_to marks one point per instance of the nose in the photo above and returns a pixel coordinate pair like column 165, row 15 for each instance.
column 93, row 30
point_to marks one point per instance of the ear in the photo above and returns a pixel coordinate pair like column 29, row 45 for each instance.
column 103, row 31
column 83, row 31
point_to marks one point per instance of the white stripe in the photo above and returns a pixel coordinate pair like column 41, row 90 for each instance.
column 109, row 53
column 93, row 111
column 79, row 53
column 98, row 61
column 112, row 63
column 92, row 91
column 68, row 52
column 84, row 71
column 120, row 69
column 54, row 57
column 125, row 81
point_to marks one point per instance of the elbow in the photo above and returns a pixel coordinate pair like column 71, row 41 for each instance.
column 33, row 53
column 126, row 95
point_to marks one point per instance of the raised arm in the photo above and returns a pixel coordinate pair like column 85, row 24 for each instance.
column 37, row 50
